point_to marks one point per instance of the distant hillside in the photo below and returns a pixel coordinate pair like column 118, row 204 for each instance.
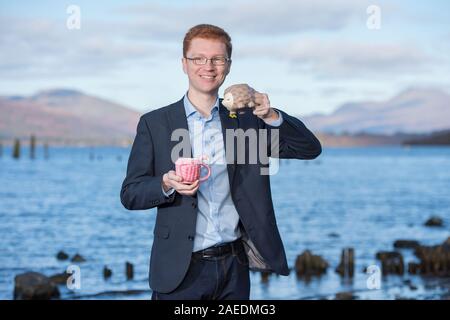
column 64, row 116
column 436, row 138
column 412, row 111
column 70, row 117
column 363, row 139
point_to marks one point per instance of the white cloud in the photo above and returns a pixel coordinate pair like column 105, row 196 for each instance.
column 46, row 48
column 344, row 58
column 255, row 17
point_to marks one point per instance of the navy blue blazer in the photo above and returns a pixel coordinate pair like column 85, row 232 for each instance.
column 174, row 231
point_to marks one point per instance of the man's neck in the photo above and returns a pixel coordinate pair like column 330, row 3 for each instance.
column 202, row 102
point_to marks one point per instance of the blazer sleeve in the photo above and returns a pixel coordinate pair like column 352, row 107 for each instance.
column 295, row 140
column 141, row 188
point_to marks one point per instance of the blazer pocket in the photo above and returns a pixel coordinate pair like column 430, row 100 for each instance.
column 162, row 232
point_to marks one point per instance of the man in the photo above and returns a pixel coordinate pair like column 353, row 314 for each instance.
column 208, row 235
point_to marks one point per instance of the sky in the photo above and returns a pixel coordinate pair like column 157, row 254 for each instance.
column 308, row 56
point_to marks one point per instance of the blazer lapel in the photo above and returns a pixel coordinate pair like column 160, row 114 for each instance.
column 233, row 124
column 177, row 120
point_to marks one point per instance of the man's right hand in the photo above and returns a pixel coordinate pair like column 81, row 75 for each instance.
column 171, row 180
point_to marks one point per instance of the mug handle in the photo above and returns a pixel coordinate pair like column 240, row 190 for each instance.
column 209, row 172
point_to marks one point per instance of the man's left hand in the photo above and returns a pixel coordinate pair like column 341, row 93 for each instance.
column 262, row 109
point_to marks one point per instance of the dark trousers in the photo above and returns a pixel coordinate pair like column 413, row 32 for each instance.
column 213, row 278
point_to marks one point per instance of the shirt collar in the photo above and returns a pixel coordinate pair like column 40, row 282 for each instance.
column 190, row 109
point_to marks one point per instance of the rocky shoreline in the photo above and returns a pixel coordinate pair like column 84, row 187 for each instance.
column 432, row 262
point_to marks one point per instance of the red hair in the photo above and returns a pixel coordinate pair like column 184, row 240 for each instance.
column 207, row 31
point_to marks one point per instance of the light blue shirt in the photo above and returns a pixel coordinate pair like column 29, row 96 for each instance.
column 217, row 219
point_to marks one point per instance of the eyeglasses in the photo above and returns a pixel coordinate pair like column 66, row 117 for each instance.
column 217, row 61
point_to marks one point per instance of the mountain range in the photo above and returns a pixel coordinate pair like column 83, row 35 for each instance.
column 416, row 110
column 70, row 117
column 63, row 116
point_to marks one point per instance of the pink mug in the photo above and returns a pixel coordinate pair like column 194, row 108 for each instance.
column 189, row 169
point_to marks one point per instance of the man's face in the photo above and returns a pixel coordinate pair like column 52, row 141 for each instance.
column 206, row 78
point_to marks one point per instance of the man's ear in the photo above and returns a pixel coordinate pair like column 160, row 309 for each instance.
column 228, row 68
column 183, row 63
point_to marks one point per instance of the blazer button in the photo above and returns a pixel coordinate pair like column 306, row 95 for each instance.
column 194, row 205
column 191, row 237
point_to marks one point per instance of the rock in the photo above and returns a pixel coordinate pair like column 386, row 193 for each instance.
column 434, row 222
column 347, row 265
column 345, row 296
column 391, row 262
column 107, row 273
column 403, row 244
column 34, row 286
column 413, row 287
column 308, row 264
column 398, row 297
column 61, row 255
column 333, row 235
column 60, row 278
column 129, row 270
column 78, row 258
column 109, row 294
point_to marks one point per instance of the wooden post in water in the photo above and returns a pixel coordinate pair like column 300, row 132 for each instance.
column 347, row 266
column 1, row 150
column 129, row 270
column 46, row 150
column 32, row 147
column 16, row 149
column 391, row 262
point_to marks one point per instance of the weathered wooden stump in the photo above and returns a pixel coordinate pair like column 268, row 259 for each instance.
column 391, row 262
column 346, row 267
column 265, row 276
column 413, row 268
column 434, row 260
column 129, row 270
